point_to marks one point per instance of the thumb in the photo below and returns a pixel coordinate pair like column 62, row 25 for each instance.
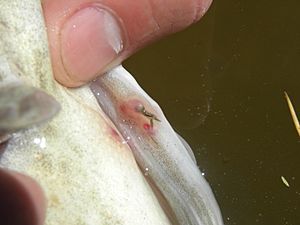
column 89, row 37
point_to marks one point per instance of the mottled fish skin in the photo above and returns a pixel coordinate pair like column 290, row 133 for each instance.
column 89, row 176
column 159, row 152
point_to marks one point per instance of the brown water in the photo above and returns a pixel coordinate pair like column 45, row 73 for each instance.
column 221, row 85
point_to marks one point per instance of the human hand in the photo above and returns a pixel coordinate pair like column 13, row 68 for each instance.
column 87, row 38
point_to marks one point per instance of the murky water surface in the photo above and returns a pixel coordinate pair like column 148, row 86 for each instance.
column 221, row 84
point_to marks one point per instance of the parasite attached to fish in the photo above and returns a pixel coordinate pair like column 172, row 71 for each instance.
column 140, row 108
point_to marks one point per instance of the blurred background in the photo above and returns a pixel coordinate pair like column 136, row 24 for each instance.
column 221, row 84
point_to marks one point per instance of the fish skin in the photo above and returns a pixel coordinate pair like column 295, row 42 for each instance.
column 89, row 176
column 160, row 153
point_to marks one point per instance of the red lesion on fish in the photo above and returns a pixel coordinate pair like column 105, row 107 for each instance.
column 148, row 127
column 139, row 115
column 114, row 134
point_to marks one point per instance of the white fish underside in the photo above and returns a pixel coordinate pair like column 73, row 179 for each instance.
column 87, row 170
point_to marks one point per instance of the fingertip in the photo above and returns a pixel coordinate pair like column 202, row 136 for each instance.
column 91, row 39
column 201, row 8
column 22, row 200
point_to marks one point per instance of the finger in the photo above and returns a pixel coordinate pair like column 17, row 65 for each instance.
column 21, row 200
column 89, row 37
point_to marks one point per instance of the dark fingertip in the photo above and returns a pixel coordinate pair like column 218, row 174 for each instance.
column 16, row 206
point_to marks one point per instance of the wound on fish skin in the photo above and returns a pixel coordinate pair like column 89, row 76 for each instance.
column 114, row 134
column 135, row 112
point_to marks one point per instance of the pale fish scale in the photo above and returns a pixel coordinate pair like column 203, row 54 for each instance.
column 88, row 176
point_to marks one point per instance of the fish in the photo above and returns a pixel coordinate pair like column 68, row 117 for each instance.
column 103, row 153
column 161, row 154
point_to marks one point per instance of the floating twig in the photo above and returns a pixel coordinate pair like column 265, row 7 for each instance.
column 285, row 182
column 293, row 113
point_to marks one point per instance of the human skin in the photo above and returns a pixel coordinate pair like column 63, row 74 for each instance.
column 79, row 53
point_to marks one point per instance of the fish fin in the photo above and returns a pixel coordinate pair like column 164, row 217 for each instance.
column 188, row 148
